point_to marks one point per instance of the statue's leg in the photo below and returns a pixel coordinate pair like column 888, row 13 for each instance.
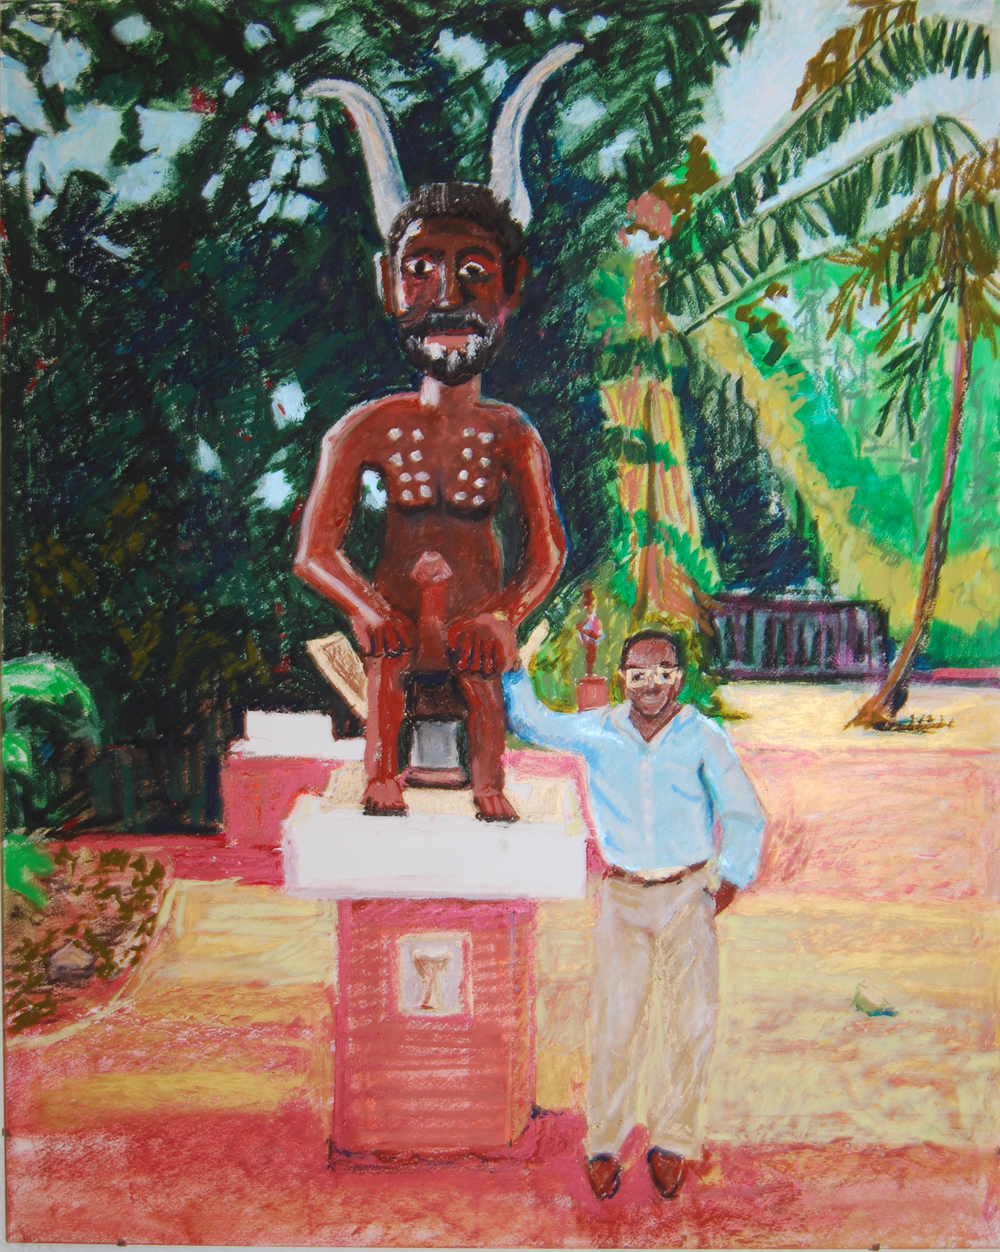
column 386, row 707
column 487, row 725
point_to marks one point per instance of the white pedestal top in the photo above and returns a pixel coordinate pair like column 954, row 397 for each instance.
column 307, row 736
column 439, row 850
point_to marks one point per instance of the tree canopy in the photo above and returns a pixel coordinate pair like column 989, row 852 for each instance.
column 190, row 305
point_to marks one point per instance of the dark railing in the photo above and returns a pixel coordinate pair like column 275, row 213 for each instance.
column 760, row 638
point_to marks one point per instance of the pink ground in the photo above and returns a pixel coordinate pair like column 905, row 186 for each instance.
column 236, row 1179
column 863, row 834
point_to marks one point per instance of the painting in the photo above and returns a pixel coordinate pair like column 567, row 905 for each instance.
column 501, row 623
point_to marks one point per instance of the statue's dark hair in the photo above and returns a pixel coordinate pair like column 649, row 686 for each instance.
column 661, row 636
column 476, row 204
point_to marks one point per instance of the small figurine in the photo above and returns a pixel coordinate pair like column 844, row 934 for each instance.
column 592, row 691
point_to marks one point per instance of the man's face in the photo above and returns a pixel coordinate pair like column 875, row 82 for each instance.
column 652, row 676
column 445, row 289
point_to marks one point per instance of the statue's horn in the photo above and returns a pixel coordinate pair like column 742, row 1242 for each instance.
column 506, row 179
column 388, row 187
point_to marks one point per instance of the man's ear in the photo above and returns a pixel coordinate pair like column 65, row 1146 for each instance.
column 383, row 281
column 514, row 300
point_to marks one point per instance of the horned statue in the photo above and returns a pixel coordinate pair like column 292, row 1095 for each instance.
column 436, row 624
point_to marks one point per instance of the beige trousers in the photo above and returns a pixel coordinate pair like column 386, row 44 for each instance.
column 656, row 992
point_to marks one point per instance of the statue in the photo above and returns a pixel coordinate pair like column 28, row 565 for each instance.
column 438, row 606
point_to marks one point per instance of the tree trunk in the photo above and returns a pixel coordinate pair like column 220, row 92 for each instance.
column 879, row 713
column 643, row 588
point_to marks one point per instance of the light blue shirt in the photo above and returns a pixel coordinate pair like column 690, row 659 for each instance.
column 655, row 804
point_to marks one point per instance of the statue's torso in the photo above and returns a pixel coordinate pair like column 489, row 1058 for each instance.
column 443, row 477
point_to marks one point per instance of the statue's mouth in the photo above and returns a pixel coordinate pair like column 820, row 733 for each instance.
column 451, row 341
column 452, row 346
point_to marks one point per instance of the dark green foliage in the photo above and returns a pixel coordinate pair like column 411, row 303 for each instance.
column 50, row 726
column 758, row 547
column 129, row 548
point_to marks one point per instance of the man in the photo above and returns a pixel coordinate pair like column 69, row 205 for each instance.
column 438, row 604
column 659, row 776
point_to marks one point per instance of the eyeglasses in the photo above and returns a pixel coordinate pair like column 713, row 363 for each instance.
column 650, row 675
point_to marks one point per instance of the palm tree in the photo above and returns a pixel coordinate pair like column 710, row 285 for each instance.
column 724, row 242
column 732, row 237
column 943, row 252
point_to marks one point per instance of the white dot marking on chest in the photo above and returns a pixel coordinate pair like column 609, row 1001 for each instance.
column 405, row 478
column 486, row 436
column 469, row 431
column 463, row 475
column 460, row 495
column 407, row 495
column 397, row 459
column 418, row 435
column 395, row 433
column 480, row 482
column 467, row 454
column 426, row 493
column 422, row 477
column 416, row 455
column 484, row 460
column 478, row 500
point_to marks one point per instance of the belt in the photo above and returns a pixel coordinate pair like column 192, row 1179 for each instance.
column 638, row 880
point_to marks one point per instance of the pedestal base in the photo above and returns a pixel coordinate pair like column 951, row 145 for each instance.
column 591, row 693
column 435, row 1027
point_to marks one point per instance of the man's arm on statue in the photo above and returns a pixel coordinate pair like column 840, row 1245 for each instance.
column 530, row 478
column 735, row 805
column 531, row 721
column 319, row 560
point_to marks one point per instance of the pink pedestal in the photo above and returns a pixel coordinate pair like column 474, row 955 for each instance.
column 258, row 793
column 435, row 1027
column 591, row 693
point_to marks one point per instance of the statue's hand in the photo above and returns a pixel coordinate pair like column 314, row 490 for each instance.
column 483, row 645
column 388, row 634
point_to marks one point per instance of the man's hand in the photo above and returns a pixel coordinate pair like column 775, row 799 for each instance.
column 482, row 645
column 387, row 634
column 534, row 642
column 725, row 896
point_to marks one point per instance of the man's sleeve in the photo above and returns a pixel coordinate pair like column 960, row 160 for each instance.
column 736, row 807
column 531, row 721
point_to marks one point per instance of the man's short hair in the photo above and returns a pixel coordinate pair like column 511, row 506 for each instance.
column 476, row 204
column 658, row 636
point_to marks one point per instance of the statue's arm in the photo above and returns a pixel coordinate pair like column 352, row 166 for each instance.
column 321, row 563
column 544, row 550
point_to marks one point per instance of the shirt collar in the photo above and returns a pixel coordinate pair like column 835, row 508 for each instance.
column 620, row 720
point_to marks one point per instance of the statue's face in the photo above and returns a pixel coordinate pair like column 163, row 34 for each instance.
column 445, row 289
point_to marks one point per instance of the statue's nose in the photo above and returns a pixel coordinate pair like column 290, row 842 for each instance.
column 452, row 295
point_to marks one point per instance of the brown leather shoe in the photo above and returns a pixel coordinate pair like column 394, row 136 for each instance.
column 667, row 1171
column 604, row 1173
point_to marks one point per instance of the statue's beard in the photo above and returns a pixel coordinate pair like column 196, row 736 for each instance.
column 452, row 365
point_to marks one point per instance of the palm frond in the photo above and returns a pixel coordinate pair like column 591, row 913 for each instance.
column 946, row 238
column 888, row 67
column 716, row 239
column 905, row 376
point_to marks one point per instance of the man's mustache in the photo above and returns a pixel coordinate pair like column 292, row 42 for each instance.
column 457, row 321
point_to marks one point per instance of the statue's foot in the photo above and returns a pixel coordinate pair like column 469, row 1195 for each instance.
column 384, row 798
column 493, row 806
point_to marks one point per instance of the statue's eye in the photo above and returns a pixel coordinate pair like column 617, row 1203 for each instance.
column 418, row 267
column 473, row 270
